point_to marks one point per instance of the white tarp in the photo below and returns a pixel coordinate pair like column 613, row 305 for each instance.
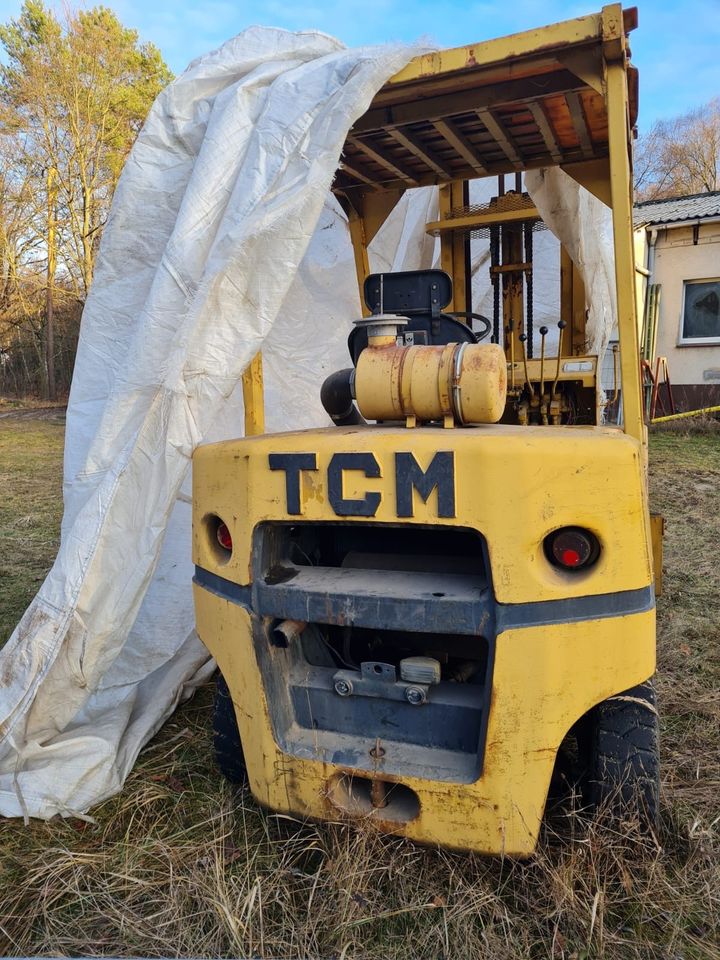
column 223, row 239
column 213, row 215
column 583, row 225
column 545, row 274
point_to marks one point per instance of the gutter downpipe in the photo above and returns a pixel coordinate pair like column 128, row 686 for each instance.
column 652, row 240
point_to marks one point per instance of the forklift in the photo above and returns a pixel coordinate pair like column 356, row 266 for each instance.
column 414, row 608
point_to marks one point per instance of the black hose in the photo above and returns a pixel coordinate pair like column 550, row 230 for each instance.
column 336, row 396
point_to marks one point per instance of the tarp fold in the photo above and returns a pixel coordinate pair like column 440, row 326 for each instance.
column 211, row 252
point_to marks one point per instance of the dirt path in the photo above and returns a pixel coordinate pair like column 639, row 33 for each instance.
column 35, row 413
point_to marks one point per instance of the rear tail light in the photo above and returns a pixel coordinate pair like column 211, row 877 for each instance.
column 222, row 535
column 572, row 548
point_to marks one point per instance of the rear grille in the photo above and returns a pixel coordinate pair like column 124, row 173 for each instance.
column 376, row 593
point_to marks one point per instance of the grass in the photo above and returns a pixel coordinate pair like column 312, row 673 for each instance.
column 181, row 864
column 30, row 510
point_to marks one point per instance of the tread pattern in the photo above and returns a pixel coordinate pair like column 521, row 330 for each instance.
column 623, row 765
column 226, row 736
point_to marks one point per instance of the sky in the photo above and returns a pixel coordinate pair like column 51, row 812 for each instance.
column 676, row 46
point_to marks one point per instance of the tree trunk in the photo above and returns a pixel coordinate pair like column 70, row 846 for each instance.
column 87, row 238
column 49, row 305
column 50, row 344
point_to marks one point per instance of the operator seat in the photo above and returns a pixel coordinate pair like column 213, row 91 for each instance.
column 420, row 295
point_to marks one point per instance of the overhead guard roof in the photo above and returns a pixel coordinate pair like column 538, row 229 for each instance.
column 528, row 100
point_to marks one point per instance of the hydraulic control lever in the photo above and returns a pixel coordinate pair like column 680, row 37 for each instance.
column 528, row 382
column 555, row 408
column 511, row 338
column 523, row 409
column 543, row 405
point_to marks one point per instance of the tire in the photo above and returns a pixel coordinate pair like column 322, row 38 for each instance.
column 619, row 747
column 226, row 736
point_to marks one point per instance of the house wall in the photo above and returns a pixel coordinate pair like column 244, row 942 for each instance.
column 694, row 370
column 641, row 281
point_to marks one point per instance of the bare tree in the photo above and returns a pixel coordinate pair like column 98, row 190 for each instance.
column 73, row 96
column 680, row 156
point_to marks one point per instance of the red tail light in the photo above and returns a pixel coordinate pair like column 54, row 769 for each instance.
column 572, row 548
column 223, row 536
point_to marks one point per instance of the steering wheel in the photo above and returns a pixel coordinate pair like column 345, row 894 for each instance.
column 474, row 316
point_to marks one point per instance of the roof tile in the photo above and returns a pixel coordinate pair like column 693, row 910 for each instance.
column 698, row 206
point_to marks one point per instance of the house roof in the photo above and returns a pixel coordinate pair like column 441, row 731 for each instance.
column 696, row 206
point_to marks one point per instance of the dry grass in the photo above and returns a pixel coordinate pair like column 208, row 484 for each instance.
column 183, row 865
column 30, row 509
column 702, row 424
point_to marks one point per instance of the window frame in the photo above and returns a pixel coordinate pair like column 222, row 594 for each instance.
column 684, row 341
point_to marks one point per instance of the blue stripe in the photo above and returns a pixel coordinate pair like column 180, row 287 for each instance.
column 573, row 609
column 222, row 587
column 482, row 616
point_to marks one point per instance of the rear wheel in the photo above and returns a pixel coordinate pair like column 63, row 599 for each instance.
column 226, row 736
column 618, row 744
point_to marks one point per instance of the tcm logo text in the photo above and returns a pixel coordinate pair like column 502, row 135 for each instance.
column 439, row 475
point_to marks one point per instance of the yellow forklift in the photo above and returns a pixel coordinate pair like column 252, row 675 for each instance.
column 412, row 609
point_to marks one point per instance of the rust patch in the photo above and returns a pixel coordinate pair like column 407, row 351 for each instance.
column 312, row 488
column 404, row 402
column 280, row 574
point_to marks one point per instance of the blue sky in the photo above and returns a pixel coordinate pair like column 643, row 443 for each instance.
column 676, row 47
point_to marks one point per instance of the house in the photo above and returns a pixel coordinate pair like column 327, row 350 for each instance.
column 679, row 241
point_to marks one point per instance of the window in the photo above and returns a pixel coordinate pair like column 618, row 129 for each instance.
column 701, row 312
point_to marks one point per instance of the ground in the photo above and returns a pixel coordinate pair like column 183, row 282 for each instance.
column 181, row 864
